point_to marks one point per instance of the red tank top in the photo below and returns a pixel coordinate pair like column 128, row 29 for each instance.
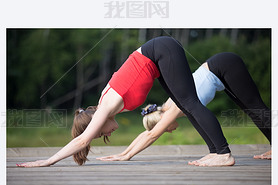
column 134, row 80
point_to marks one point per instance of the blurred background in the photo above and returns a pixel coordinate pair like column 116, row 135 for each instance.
column 51, row 72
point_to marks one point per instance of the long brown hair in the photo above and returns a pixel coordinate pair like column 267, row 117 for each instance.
column 81, row 120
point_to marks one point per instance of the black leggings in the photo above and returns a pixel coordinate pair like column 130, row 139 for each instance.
column 241, row 88
column 176, row 79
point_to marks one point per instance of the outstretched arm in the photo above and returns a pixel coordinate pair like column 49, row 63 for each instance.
column 146, row 138
column 124, row 155
column 134, row 142
column 111, row 104
column 71, row 148
column 77, row 143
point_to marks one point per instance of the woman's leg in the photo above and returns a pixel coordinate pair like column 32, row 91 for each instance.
column 211, row 147
column 241, row 88
column 203, row 134
column 148, row 50
column 177, row 80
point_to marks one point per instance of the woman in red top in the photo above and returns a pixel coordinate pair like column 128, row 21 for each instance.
column 162, row 58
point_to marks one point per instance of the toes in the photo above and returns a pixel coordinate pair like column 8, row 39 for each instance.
column 266, row 157
column 192, row 162
column 197, row 164
column 202, row 164
column 257, row 157
column 262, row 157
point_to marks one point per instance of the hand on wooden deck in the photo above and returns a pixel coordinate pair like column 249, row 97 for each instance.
column 39, row 163
column 118, row 157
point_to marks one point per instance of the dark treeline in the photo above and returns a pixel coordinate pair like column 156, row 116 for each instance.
column 46, row 67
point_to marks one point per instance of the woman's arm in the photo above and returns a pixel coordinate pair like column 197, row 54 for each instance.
column 78, row 143
column 151, row 136
column 123, row 156
column 146, row 138
column 111, row 103
column 134, row 142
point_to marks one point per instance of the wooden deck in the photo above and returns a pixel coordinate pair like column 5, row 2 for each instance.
column 156, row 165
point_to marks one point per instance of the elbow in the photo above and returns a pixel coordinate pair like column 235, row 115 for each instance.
column 153, row 136
column 82, row 142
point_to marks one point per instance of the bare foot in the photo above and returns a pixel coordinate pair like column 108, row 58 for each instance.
column 266, row 155
column 218, row 160
column 208, row 156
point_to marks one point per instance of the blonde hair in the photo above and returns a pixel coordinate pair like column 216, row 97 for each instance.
column 151, row 119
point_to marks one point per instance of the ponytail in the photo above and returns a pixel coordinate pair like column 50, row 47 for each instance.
column 81, row 120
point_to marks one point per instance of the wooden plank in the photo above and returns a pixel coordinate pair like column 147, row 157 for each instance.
column 148, row 168
column 152, row 150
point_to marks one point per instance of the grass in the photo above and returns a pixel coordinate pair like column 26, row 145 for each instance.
column 130, row 125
